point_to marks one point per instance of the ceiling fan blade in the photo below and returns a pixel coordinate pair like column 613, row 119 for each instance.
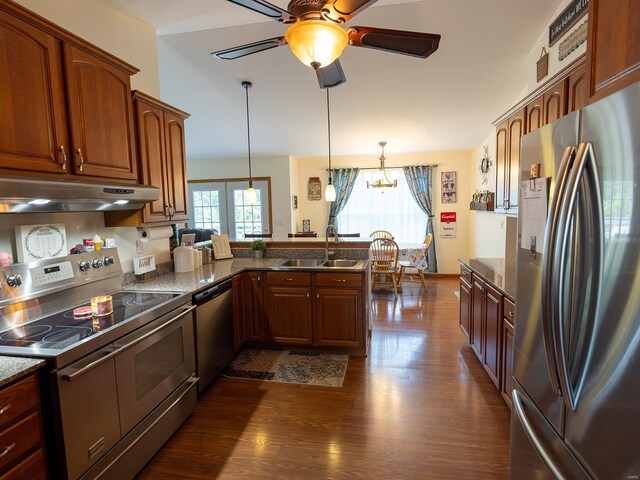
column 341, row 11
column 415, row 44
column 244, row 50
column 331, row 75
column 266, row 8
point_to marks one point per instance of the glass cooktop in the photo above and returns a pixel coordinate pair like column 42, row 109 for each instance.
column 62, row 330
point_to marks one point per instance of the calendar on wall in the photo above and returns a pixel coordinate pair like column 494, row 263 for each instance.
column 36, row 242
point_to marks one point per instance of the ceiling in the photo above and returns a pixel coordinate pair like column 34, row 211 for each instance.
column 445, row 102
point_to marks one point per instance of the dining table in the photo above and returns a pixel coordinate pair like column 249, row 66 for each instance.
column 413, row 253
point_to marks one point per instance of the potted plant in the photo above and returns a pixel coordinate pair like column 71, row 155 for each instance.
column 258, row 247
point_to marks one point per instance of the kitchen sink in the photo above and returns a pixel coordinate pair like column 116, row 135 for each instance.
column 339, row 263
column 302, row 262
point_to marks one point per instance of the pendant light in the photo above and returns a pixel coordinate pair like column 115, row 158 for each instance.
column 330, row 191
column 381, row 180
column 250, row 193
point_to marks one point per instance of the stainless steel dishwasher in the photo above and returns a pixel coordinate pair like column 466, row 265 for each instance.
column 213, row 331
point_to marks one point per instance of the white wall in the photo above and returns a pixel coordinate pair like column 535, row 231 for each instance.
column 492, row 234
column 133, row 41
column 278, row 168
column 100, row 23
column 448, row 249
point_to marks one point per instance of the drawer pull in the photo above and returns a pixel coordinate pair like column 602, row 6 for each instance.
column 64, row 157
column 5, row 408
column 339, row 280
column 287, row 279
column 7, row 450
column 465, row 272
column 81, row 164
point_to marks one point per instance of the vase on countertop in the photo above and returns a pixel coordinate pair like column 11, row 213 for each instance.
column 258, row 254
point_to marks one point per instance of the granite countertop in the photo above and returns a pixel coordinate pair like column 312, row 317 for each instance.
column 12, row 368
column 216, row 272
column 499, row 272
column 304, row 240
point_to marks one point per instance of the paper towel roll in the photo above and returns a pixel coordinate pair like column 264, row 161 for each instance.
column 154, row 233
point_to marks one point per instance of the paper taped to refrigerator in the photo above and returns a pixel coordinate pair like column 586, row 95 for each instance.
column 535, row 200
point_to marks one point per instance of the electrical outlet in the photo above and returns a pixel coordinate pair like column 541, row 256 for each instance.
column 139, row 247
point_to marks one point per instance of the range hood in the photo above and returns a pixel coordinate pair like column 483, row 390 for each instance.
column 32, row 194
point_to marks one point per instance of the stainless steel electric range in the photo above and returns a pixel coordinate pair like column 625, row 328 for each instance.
column 119, row 378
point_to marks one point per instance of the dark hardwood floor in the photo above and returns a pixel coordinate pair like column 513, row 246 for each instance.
column 420, row 406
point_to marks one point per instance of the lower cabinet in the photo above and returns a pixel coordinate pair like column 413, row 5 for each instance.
column 325, row 309
column 486, row 319
column 239, row 325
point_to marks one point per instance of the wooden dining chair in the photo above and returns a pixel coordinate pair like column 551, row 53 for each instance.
column 381, row 234
column 407, row 264
column 384, row 263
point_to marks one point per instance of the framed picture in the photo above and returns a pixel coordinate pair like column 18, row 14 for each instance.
column 295, row 202
column 314, row 188
column 448, row 187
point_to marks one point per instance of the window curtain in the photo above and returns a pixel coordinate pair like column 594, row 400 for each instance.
column 343, row 181
column 419, row 181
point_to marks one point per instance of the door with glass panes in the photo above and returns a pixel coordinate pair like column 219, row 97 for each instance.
column 223, row 206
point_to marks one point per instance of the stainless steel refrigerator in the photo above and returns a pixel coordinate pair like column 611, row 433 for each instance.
column 576, row 397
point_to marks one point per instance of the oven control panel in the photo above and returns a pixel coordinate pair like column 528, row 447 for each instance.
column 46, row 274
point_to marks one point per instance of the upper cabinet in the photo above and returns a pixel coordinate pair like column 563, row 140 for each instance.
column 163, row 163
column 508, row 135
column 613, row 46
column 577, row 89
column 66, row 105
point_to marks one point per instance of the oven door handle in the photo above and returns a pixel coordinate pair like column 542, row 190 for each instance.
column 127, row 346
column 71, row 376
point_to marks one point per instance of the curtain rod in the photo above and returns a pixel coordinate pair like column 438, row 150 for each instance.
column 433, row 165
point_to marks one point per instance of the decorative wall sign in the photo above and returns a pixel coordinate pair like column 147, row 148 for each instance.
column 448, row 225
column 35, row 242
column 314, row 188
column 306, row 225
column 542, row 65
column 573, row 41
column 448, row 187
column 569, row 16
column 294, row 202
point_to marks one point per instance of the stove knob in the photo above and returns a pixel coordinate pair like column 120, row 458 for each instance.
column 14, row 280
column 84, row 265
column 97, row 263
column 109, row 261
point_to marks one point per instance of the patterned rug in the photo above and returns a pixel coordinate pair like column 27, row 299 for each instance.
column 309, row 368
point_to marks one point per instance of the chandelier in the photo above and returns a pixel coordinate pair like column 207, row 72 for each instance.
column 381, row 180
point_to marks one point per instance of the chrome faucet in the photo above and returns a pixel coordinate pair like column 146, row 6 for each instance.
column 326, row 240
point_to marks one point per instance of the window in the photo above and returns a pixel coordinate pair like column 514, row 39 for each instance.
column 223, row 206
column 392, row 209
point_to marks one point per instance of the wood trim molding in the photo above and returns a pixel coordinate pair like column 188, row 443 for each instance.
column 66, row 36
column 154, row 102
column 561, row 75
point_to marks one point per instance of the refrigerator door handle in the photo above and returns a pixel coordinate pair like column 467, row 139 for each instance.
column 585, row 164
column 547, row 266
column 518, row 407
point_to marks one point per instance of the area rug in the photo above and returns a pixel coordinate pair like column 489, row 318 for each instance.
column 309, row 368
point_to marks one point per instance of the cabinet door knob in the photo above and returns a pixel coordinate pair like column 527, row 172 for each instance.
column 339, row 280
column 172, row 211
column 64, row 157
column 80, row 165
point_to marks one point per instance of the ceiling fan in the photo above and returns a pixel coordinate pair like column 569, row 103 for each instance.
column 316, row 37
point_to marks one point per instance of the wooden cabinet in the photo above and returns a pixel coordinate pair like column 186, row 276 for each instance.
column 66, row 106
column 288, row 315
column 100, row 117
column 507, row 351
column 555, row 102
column 578, row 90
column 492, row 323
column 535, row 114
column 21, row 432
column 476, row 328
column 508, row 135
column 338, row 309
column 613, row 46
column 163, row 164
column 465, row 300
column 239, row 325
column 254, row 306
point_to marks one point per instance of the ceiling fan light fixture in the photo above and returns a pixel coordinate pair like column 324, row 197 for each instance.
column 316, row 43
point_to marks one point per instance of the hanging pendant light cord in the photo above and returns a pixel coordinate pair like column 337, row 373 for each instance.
column 247, row 86
column 329, row 130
